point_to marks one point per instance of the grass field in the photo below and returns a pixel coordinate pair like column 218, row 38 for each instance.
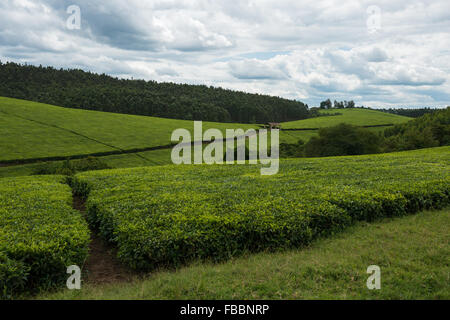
column 166, row 216
column 413, row 254
column 32, row 130
column 21, row 139
column 357, row 117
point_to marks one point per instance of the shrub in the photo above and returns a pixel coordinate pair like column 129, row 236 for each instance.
column 341, row 140
column 173, row 214
column 13, row 276
column 429, row 130
column 70, row 167
column 40, row 233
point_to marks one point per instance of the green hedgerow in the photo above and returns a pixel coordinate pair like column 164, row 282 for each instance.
column 173, row 214
column 40, row 233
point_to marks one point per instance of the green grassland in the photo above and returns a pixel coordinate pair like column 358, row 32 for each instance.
column 40, row 233
column 33, row 130
column 170, row 215
column 413, row 254
column 21, row 139
column 357, row 117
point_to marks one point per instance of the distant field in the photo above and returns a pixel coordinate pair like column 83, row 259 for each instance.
column 34, row 130
column 31, row 130
column 22, row 139
column 357, row 117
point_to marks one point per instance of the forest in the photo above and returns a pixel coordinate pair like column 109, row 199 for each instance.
column 76, row 88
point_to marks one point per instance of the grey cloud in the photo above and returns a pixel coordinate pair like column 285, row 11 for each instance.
column 254, row 69
column 375, row 55
column 166, row 71
column 308, row 50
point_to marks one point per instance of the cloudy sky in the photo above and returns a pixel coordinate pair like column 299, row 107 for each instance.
column 378, row 53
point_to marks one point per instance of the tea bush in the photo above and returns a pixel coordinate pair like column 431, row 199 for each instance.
column 173, row 214
column 70, row 167
column 40, row 234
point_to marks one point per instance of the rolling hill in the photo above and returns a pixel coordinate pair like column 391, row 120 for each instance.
column 200, row 212
column 34, row 132
column 355, row 116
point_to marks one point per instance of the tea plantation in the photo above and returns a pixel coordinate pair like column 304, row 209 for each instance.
column 40, row 234
column 170, row 215
column 356, row 116
column 33, row 131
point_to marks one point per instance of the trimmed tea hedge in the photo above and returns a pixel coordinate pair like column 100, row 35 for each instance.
column 40, row 234
column 173, row 214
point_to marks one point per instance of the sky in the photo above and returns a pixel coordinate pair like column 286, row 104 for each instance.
column 377, row 53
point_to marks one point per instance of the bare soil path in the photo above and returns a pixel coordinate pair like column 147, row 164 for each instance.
column 102, row 264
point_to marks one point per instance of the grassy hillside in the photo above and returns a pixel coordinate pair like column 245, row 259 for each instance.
column 356, row 116
column 412, row 253
column 35, row 130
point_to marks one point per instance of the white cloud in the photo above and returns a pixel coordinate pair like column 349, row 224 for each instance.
column 308, row 50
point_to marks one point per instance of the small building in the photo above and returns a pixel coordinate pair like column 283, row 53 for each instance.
column 274, row 125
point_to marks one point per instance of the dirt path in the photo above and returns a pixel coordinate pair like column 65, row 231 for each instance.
column 102, row 264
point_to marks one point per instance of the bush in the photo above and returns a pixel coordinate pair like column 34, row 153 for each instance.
column 70, row 167
column 291, row 150
column 173, row 214
column 40, row 233
column 429, row 130
column 13, row 276
column 341, row 140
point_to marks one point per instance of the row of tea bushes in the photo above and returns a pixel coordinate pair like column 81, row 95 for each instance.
column 40, row 234
column 172, row 214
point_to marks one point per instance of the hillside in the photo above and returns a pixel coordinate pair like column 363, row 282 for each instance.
column 86, row 90
column 38, row 131
column 34, row 130
column 190, row 213
column 430, row 130
column 355, row 116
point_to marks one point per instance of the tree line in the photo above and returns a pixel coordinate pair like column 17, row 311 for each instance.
column 408, row 112
column 74, row 88
column 413, row 113
column 326, row 104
